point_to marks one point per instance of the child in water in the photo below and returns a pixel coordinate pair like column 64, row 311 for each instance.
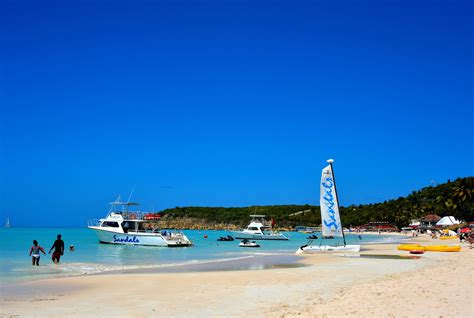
column 35, row 253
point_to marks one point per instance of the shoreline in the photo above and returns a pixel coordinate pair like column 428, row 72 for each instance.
column 310, row 290
column 78, row 264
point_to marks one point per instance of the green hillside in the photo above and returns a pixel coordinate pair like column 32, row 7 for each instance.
column 450, row 198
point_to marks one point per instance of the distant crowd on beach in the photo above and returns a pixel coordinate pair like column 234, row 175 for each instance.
column 58, row 247
column 464, row 234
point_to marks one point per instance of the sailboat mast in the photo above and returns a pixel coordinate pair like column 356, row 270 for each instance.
column 330, row 161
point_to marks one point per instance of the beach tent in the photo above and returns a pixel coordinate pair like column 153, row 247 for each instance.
column 447, row 221
column 429, row 221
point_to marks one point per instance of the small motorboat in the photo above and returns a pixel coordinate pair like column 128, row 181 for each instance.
column 312, row 237
column 225, row 238
column 248, row 243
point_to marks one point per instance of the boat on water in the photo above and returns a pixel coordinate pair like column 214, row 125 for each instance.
column 307, row 229
column 227, row 238
column 125, row 226
column 259, row 229
column 248, row 243
column 331, row 220
column 7, row 223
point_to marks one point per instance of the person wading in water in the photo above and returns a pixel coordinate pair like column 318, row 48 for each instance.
column 35, row 253
column 58, row 246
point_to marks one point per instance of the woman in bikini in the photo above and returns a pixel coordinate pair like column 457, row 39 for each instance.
column 35, row 253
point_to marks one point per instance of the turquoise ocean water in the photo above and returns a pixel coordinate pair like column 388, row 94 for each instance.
column 90, row 257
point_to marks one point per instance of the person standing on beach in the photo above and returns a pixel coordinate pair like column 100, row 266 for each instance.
column 58, row 246
column 35, row 253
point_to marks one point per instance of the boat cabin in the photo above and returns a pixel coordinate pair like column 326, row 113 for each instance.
column 258, row 224
column 125, row 225
column 124, row 220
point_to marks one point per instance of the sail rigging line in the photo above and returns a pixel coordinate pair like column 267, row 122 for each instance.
column 131, row 193
column 330, row 161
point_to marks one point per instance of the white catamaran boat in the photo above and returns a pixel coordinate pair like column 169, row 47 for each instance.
column 331, row 220
column 122, row 226
column 258, row 229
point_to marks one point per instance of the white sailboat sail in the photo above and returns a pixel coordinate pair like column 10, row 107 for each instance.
column 330, row 218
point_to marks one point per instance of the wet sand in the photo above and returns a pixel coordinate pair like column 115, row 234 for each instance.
column 436, row 285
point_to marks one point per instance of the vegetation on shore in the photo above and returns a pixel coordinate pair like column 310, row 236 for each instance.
column 450, row 198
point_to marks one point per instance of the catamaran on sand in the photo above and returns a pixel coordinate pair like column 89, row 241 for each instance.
column 331, row 220
column 123, row 226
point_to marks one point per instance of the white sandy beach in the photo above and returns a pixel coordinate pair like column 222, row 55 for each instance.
column 437, row 284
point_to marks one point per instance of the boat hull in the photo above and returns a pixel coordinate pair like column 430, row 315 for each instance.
column 274, row 237
column 249, row 245
column 142, row 239
column 327, row 248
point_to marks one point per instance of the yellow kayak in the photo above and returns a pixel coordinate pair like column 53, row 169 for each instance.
column 410, row 247
column 448, row 237
column 429, row 248
column 443, row 248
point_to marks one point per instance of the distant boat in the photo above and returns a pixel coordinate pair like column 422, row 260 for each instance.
column 258, row 229
column 7, row 223
column 248, row 243
column 331, row 220
column 307, row 229
column 225, row 238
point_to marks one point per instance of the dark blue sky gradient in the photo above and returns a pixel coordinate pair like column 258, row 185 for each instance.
column 228, row 103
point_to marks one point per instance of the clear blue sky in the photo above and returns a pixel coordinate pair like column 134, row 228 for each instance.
column 228, row 103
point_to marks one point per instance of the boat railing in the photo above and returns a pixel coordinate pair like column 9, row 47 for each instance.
column 169, row 234
column 176, row 236
column 131, row 215
column 94, row 222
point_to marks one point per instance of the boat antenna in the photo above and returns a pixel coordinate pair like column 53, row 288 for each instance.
column 330, row 161
column 112, row 204
column 131, row 193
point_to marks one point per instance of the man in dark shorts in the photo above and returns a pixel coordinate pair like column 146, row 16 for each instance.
column 58, row 246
